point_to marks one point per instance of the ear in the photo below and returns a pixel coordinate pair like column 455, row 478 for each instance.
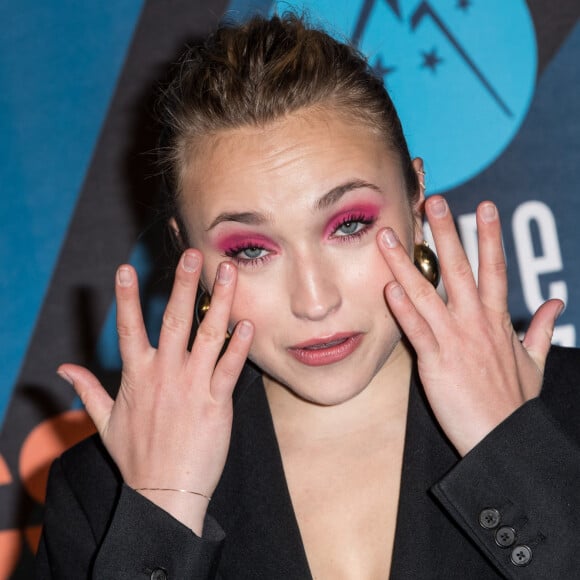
column 176, row 233
column 182, row 244
column 417, row 207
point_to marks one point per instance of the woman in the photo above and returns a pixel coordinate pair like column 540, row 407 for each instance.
column 348, row 451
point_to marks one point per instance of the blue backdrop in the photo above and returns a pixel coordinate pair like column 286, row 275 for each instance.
column 487, row 91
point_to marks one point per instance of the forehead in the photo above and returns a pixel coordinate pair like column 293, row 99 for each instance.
column 300, row 156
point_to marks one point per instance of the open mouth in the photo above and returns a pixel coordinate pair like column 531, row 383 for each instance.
column 326, row 352
column 326, row 344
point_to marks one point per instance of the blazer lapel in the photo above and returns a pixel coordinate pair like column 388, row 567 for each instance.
column 428, row 545
column 253, row 505
column 252, row 502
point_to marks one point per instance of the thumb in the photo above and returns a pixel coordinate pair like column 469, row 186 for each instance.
column 538, row 338
column 96, row 400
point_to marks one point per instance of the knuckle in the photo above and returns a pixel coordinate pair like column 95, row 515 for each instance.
column 414, row 329
column 209, row 333
column 423, row 293
column 174, row 322
column 506, row 324
column 462, row 269
column 230, row 372
column 125, row 330
column 495, row 267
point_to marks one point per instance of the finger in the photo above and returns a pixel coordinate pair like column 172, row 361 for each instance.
column 538, row 338
column 211, row 334
column 413, row 325
column 455, row 268
column 492, row 274
column 133, row 341
column 178, row 315
column 231, row 363
column 95, row 399
column 418, row 290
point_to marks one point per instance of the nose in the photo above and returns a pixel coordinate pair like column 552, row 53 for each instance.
column 314, row 293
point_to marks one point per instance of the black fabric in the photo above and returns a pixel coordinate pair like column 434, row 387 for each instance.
column 252, row 501
column 142, row 541
column 427, row 544
column 89, row 511
column 528, row 476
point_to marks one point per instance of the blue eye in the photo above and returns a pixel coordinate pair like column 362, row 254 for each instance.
column 353, row 226
column 253, row 253
column 350, row 227
column 248, row 255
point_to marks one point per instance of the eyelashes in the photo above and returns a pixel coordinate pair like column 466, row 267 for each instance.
column 249, row 254
column 352, row 226
column 349, row 228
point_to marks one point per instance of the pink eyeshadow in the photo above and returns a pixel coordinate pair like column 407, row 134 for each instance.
column 368, row 211
column 237, row 240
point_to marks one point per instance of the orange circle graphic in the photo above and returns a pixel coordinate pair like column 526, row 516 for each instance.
column 45, row 443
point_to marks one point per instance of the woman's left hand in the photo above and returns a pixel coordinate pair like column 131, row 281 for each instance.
column 474, row 369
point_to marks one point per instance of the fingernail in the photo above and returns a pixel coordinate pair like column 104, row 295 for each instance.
column 438, row 208
column 390, row 238
column 561, row 310
column 244, row 329
column 488, row 213
column 65, row 377
column 124, row 276
column 190, row 262
column 396, row 291
column 225, row 273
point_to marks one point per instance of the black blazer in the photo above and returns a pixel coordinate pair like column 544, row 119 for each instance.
column 514, row 498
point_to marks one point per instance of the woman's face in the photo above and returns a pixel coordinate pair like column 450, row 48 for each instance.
column 297, row 206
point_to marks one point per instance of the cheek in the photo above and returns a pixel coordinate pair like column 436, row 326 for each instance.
column 253, row 301
column 366, row 269
column 363, row 283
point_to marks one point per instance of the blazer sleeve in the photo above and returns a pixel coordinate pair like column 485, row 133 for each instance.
column 517, row 496
column 137, row 540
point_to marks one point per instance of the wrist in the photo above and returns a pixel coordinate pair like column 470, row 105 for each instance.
column 189, row 508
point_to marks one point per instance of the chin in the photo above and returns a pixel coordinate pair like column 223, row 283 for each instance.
column 328, row 391
column 332, row 384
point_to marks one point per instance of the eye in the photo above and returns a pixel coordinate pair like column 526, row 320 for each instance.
column 248, row 255
column 353, row 226
column 252, row 253
column 350, row 227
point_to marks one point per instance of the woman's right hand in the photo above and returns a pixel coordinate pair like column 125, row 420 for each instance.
column 170, row 424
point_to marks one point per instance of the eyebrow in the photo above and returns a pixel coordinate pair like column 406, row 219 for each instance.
column 328, row 199
column 337, row 192
column 246, row 217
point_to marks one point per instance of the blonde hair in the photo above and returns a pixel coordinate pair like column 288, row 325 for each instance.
column 260, row 71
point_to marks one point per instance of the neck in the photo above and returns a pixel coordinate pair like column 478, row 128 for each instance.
column 381, row 405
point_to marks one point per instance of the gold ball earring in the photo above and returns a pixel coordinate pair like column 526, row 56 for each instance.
column 202, row 305
column 427, row 263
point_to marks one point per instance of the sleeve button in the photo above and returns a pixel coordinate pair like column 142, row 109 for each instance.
column 505, row 537
column 521, row 556
column 489, row 518
column 158, row 574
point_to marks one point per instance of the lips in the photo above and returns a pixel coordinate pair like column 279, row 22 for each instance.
column 327, row 350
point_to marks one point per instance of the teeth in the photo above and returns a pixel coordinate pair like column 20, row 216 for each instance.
column 325, row 345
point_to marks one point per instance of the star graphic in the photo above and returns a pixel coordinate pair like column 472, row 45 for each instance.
column 463, row 5
column 431, row 60
column 381, row 70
